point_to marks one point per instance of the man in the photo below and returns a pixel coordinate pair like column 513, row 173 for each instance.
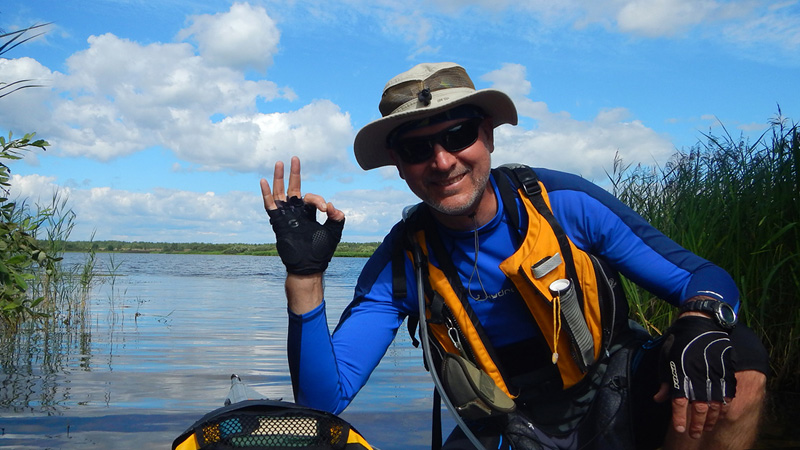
column 516, row 271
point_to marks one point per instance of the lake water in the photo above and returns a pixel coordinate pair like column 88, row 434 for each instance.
column 162, row 336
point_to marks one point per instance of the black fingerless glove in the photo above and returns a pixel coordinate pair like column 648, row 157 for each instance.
column 304, row 245
column 698, row 360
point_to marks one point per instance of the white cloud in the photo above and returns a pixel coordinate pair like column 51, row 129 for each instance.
column 119, row 97
column 775, row 24
column 776, row 27
column 161, row 215
column 36, row 188
column 172, row 215
column 558, row 141
column 770, row 27
column 122, row 97
column 22, row 109
column 242, row 38
column 415, row 26
column 663, row 17
column 511, row 80
column 369, row 213
column 585, row 148
column 319, row 133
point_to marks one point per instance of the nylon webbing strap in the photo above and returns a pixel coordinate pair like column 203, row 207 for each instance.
column 399, row 290
column 447, row 266
column 436, row 421
column 399, row 286
column 429, row 363
column 508, row 194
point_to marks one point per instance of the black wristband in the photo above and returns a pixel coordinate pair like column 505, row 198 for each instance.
column 304, row 245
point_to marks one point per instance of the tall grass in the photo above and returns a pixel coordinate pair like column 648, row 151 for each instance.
column 63, row 289
column 37, row 345
column 737, row 204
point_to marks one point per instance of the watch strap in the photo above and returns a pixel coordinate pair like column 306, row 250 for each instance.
column 713, row 308
column 703, row 305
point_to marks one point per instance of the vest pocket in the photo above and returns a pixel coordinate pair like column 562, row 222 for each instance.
column 472, row 391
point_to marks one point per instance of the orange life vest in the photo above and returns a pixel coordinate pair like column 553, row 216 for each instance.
column 576, row 324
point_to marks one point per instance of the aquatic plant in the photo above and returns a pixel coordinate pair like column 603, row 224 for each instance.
column 735, row 203
column 19, row 250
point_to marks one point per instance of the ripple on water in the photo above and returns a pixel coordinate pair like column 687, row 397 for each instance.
column 161, row 337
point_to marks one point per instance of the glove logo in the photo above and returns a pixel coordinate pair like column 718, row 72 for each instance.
column 675, row 382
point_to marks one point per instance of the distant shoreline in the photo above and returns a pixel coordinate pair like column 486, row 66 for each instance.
column 345, row 249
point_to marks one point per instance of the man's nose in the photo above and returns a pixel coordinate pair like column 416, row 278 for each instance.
column 442, row 159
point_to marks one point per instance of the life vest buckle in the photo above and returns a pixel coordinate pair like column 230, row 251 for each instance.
column 527, row 178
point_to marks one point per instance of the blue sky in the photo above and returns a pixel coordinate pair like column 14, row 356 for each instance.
column 162, row 116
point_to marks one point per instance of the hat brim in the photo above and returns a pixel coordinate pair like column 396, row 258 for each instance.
column 370, row 143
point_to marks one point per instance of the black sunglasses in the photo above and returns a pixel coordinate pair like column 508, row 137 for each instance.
column 454, row 139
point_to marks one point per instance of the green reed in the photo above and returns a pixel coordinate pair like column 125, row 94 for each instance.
column 40, row 342
column 735, row 203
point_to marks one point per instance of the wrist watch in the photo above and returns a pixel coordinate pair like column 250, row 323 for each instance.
column 722, row 313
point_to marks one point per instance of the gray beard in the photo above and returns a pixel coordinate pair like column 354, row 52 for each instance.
column 468, row 207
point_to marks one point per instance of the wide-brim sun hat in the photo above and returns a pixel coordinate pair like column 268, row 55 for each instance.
column 425, row 90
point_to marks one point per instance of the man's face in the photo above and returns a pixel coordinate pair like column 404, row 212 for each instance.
column 452, row 183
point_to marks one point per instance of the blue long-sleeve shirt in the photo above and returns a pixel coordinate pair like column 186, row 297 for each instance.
column 329, row 370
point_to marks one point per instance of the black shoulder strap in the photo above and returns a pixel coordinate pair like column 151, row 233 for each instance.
column 404, row 243
column 438, row 307
column 399, row 248
column 508, row 194
column 436, row 421
column 525, row 177
column 399, row 287
column 414, row 221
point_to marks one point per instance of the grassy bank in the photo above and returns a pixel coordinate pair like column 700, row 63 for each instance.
column 352, row 249
column 737, row 204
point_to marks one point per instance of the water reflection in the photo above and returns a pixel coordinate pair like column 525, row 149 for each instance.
column 160, row 336
column 36, row 360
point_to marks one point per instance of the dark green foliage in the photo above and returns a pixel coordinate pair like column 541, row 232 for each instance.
column 21, row 254
column 736, row 204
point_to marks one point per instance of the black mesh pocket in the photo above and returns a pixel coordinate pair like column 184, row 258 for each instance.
column 263, row 424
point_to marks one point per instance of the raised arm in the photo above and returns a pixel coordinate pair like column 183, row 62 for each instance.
column 305, row 246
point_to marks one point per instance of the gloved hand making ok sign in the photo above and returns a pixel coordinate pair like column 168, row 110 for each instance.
column 304, row 245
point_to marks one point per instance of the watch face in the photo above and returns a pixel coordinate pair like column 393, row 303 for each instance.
column 726, row 314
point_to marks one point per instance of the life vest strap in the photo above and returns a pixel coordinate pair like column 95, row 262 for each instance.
column 526, row 177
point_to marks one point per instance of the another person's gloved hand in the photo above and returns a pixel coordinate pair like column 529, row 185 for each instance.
column 698, row 361
column 304, row 245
